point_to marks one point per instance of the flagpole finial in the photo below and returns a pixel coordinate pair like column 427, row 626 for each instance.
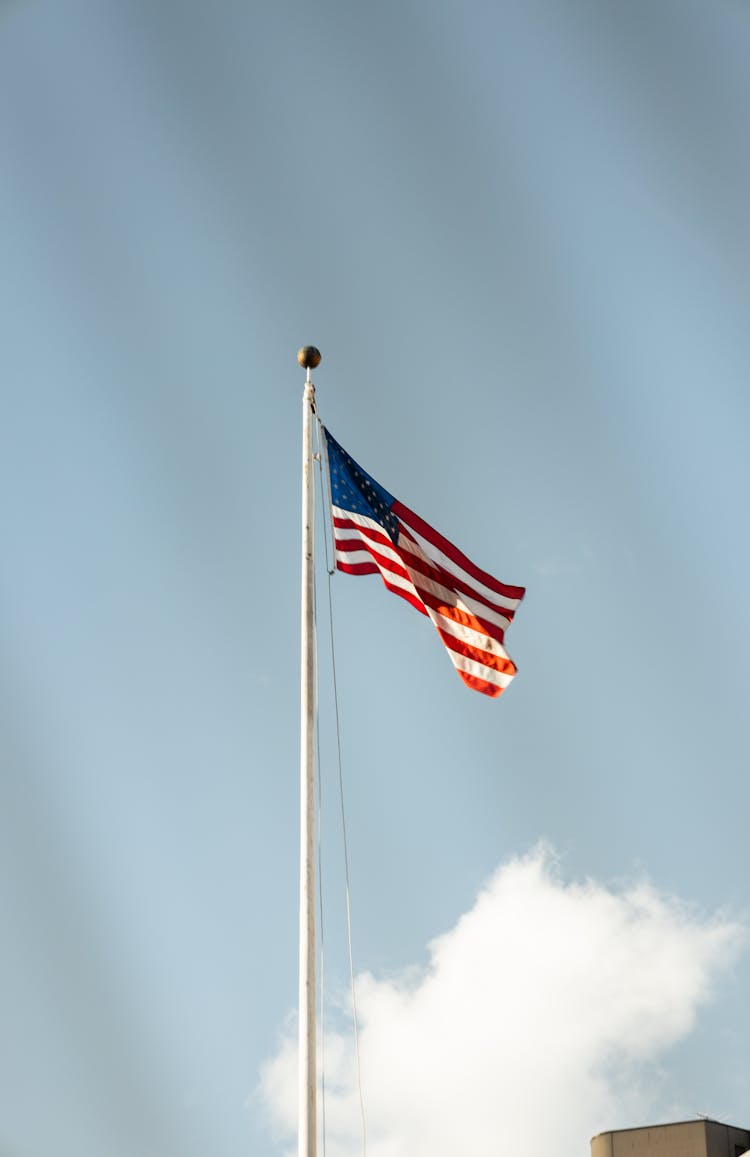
column 309, row 357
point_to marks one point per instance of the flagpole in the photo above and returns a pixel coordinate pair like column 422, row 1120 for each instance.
column 308, row 357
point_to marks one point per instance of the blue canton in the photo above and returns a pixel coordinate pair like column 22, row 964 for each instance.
column 353, row 489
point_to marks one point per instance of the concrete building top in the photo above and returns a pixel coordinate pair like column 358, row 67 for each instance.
column 669, row 1125
column 702, row 1137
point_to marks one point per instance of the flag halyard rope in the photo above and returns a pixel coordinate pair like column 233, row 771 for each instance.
column 319, row 828
column 355, row 1011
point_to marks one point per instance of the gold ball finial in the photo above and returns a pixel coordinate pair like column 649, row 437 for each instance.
column 309, row 357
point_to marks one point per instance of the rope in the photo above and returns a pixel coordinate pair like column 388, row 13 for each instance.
column 319, row 830
column 325, row 480
column 355, row 1012
column 319, row 826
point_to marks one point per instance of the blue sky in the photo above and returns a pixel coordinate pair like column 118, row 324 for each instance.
column 518, row 233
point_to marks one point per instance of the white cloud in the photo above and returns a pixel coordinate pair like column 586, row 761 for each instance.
column 537, row 1023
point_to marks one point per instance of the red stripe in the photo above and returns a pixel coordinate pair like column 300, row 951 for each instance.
column 380, row 565
column 357, row 567
column 504, row 666
column 476, row 684
column 350, row 536
column 439, row 575
column 408, row 595
column 359, row 542
column 454, row 554
column 345, row 545
column 422, row 567
column 365, row 531
column 371, row 568
column 465, row 618
column 462, row 617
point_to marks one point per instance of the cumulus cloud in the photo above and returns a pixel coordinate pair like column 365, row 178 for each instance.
column 537, row 1022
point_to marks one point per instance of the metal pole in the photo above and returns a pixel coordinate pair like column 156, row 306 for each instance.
column 308, row 358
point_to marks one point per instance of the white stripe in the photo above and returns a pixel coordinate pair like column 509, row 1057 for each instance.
column 436, row 555
column 461, row 602
column 447, row 595
column 433, row 555
column 397, row 580
column 361, row 524
column 419, row 581
column 471, row 667
column 355, row 557
column 382, row 549
column 467, row 635
column 359, row 520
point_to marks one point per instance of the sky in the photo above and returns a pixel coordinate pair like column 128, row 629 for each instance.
column 518, row 234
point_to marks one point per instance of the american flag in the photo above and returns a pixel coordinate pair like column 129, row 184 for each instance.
column 374, row 533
